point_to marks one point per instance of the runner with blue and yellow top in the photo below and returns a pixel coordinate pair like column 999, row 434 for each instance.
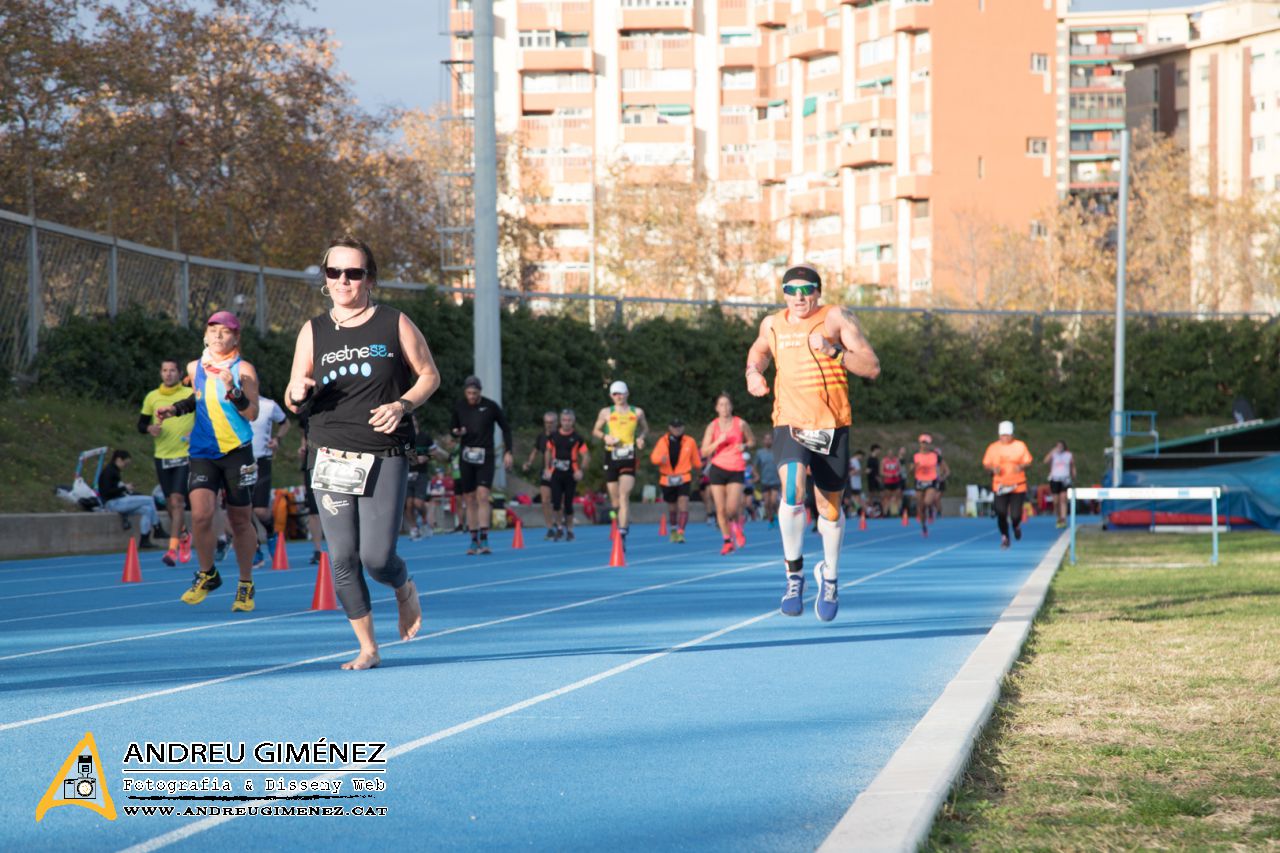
column 225, row 403
column 622, row 428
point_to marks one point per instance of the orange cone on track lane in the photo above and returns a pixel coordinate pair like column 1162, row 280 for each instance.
column 618, row 556
column 323, row 598
column 132, row 569
column 662, row 525
column 280, row 559
column 517, row 539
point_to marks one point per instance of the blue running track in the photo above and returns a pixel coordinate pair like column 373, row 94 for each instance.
column 550, row 702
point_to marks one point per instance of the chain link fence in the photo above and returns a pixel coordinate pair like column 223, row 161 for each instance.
column 49, row 272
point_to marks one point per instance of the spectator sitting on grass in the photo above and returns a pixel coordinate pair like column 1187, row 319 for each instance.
column 118, row 496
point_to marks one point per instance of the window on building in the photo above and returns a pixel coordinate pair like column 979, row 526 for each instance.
column 1040, row 63
column 1038, row 229
column 1037, row 146
column 1182, row 77
column 1203, row 73
column 738, row 37
column 920, row 208
column 919, row 74
column 1259, row 143
column 737, row 78
column 665, row 79
column 537, row 38
column 875, row 50
column 782, row 73
column 555, row 81
column 982, row 169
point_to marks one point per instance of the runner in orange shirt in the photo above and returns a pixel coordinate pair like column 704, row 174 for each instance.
column 1007, row 459
column 928, row 468
column 815, row 348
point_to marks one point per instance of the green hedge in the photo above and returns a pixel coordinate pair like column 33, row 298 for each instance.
column 932, row 366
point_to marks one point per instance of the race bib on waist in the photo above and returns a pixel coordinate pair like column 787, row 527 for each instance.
column 341, row 471
column 817, row 440
column 473, row 455
column 675, row 479
column 248, row 475
column 1005, row 490
column 562, row 464
column 176, row 462
column 623, row 452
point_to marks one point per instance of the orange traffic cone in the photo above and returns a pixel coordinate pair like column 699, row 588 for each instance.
column 280, row 559
column 132, row 570
column 322, row 598
column 613, row 528
column 662, row 525
column 618, row 557
column 906, row 520
column 862, row 519
column 517, row 539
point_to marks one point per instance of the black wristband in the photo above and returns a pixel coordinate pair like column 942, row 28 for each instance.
column 408, row 407
column 238, row 398
column 185, row 406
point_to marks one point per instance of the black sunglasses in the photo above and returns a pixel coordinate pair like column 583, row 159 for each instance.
column 352, row 273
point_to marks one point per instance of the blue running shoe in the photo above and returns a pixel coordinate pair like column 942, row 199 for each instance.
column 259, row 559
column 220, row 549
column 827, row 604
column 793, row 601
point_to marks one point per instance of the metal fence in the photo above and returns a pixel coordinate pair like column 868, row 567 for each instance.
column 49, row 272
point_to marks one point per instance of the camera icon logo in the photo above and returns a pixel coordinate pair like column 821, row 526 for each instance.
column 85, row 786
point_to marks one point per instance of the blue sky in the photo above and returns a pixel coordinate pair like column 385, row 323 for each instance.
column 391, row 49
column 1113, row 5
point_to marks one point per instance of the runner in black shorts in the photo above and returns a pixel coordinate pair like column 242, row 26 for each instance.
column 537, row 456
column 225, row 403
column 563, row 461
column 474, row 419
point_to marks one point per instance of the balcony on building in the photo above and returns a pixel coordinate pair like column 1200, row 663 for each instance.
column 557, row 59
column 666, row 51
column 816, row 201
column 772, row 13
column 912, row 15
column 772, row 160
column 657, row 14
column 865, row 110
column 567, row 15
column 741, row 52
column 808, row 36
column 672, row 133
column 556, row 131
column 868, row 152
column 550, row 213
column 461, row 21
column 913, row 186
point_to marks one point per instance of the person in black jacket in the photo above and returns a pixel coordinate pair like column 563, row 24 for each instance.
column 474, row 418
column 118, row 496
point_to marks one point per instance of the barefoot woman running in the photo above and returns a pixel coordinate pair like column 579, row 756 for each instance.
column 360, row 369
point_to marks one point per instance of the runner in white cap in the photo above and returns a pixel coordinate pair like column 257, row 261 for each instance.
column 1007, row 459
column 622, row 428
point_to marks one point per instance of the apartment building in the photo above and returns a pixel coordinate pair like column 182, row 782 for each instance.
column 1095, row 51
column 1219, row 96
column 877, row 139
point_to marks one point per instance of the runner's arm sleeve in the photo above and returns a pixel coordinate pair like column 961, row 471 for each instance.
column 500, row 417
column 144, row 422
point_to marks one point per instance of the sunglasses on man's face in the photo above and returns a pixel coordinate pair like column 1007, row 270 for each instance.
column 799, row 289
column 352, row 273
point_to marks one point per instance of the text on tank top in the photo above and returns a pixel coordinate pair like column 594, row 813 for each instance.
column 810, row 390
column 357, row 369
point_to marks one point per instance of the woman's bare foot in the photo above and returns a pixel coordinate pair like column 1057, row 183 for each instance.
column 410, row 610
column 364, row 660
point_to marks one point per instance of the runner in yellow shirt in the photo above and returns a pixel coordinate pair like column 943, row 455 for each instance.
column 172, row 465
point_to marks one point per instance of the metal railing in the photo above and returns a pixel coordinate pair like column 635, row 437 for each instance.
column 51, row 272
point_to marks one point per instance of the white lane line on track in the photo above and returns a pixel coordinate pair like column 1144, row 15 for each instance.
column 192, row 829
column 433, row 570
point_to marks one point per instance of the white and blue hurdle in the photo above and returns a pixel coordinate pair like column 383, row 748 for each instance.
column 1209, row 493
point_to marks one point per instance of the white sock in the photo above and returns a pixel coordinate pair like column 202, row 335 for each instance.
column 832, row 533
column 791, row 525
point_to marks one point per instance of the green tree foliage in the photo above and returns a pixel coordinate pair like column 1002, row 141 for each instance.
column 1019, row 367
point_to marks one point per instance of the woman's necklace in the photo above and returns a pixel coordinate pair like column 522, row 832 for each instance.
column 337, row 324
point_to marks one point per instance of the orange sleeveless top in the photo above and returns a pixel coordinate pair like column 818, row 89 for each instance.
column 810, row 391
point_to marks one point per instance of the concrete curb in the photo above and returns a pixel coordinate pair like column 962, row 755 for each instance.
column 896, row 811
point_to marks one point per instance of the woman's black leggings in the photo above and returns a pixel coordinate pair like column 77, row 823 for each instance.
column 1008, row 507
column 362, row 531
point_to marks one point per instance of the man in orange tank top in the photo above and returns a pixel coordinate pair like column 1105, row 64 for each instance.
column 815, row 347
